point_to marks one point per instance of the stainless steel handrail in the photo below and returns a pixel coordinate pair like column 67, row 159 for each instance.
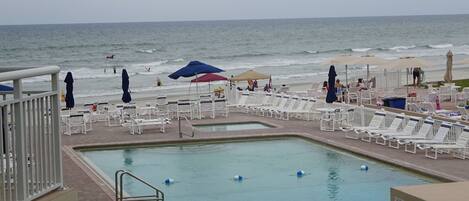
column 119, row 188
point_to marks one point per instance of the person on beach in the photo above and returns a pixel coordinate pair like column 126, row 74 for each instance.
column 254, row 84
column 114, row 69
column 147, row 68
column 324, row 87
column 340, row 90
column 416, row 76
column 361, row 85
column 158, row 82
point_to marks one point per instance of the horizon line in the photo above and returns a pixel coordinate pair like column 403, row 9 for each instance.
column 234, row 19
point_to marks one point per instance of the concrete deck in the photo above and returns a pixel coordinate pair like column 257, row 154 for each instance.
column 81, row 178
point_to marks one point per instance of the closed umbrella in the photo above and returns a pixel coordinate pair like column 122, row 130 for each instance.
column 449, row 67
column 331, row 90
column 126, row 98
column 69, row 100
column 342, row 60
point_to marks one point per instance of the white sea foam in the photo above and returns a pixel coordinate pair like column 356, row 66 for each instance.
column 147, row 51
column 397, row 48
column 441, row 46
column 361, row 49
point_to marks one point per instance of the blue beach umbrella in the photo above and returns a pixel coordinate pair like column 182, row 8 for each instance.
column 331, row 91
column 69, row 100
column 5, row 88
column 193, row 69
column 125, row 87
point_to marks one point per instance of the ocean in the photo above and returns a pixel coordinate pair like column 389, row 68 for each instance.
column 291, row 50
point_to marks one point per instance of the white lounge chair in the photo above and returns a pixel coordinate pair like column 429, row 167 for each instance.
column 138, row 125
column 393, row 127
column 421, row 134
column 422, row 143
column 283, row 113
column 376, row 121
column 407, row 130
column 459, row 148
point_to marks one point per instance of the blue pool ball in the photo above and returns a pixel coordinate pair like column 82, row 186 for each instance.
column 168, row 181
column 300, row 173
column 364, row 168
column 238, row 178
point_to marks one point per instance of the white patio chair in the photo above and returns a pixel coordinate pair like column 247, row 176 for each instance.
column 75, row 124
column 206, row 108
column 407, row 130
column 366, row 96
column 220, row 108
column 184, row 108
column 395, row 125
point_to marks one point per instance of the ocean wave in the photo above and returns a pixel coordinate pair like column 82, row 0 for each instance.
column 147, row 51
column 440, row 46
column 311, row 51
column 238, row 56
column 361, row 49
column 397, row 48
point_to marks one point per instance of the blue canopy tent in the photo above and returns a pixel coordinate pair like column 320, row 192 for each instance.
column 69, row 100
column 5, row 88
column 331, row 90
column 126, row 98
column 194, row 68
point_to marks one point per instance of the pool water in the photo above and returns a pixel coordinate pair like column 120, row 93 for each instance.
column 231, row 126
column 204, row 172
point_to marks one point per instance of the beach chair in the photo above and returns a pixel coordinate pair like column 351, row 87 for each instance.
column 265, row 101
column 407, row 130
column 280, row 103
column 303, row 112
column 128, row 112
column 459, row 148
column 395, row 125
column 438, row 138
column 352, row 94
column 242, row 100
column 283, row 113
column 220, row 108
column 172, row 109
column 184, row 108
column 366, row 96
column 75, row 123
column 376, row 121
column 206, row 109
column 300, row 107
column 137, row 125
column 274, row 101
column 464, row 113
column 162, row 103
column 425, row 129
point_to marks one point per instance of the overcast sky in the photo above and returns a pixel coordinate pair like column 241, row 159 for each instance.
column 88, row 11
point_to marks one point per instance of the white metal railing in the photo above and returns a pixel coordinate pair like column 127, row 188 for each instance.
column 30, row 159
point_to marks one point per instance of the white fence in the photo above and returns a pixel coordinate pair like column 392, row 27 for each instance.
column 30, row 160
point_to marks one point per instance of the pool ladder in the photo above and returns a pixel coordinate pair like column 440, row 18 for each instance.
column 119, row 188
column 181, row 134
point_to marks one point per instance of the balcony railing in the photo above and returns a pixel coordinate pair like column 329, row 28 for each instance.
column 30, row 154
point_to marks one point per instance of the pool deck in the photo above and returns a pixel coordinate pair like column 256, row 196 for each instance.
column 80, row 177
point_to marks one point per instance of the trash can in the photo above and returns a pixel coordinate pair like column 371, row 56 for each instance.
column 394, row 102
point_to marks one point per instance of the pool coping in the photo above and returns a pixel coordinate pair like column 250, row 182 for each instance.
column 73, row 151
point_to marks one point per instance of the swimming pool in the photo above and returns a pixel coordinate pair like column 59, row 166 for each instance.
column 231, row 126
column 204, row 172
